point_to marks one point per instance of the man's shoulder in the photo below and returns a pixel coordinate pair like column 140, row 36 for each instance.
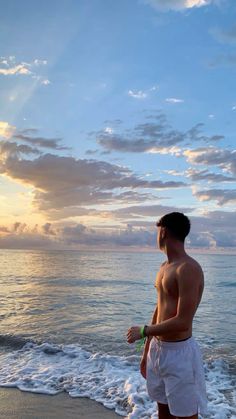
column 191, row 266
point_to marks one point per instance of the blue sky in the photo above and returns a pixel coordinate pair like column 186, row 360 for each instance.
column 113, row 113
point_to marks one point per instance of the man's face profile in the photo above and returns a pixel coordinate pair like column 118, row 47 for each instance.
column 160, row 237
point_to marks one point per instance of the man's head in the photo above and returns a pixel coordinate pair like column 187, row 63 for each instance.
column 174, row 225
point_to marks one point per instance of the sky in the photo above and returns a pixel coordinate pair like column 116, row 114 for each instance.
column 114, row 113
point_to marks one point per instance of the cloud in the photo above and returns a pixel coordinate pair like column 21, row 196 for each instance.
column 213, row 156
column 177, row 5
column 222, row 196
column 174, row 100
column 147, row 211
column 22, row 236
column 28, row 136
column 156, row 136
column 46, row 82
column 142, row 94
column 10, row 148
column 40, row 62
column 138, row 94
column 62, row 182
column 75, row 236
column 51, row 143
column 17, row 69
column 10, row 67
column 212, row 230
column 204, row 175
column 6, row 130
column 195, row 134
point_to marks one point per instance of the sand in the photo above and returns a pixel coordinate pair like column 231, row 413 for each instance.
column 16, row 404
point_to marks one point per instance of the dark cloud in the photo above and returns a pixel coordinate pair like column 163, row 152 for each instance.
column 10, row 148
column 195, row 134
column 204, row 175
column 92, row 152
column 222, row 196
column 62, row 182
column 48, row 229
column 4, row 229
column 147, row 211
column 213, row 229
column 156, row 136
column 118, row 143
column 51, row 143
column 81, row 235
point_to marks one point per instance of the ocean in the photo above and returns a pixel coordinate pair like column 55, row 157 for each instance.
column 64, row 317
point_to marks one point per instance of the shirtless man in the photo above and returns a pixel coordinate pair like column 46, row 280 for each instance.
column 171, row 361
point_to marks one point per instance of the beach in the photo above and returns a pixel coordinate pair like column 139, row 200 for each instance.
column 64, row 318
column 16, row 404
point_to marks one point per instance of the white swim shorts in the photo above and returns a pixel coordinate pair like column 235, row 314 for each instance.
column 175, row 376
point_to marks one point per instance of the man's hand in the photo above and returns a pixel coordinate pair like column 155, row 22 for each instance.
column 133, row 334
column 143, row 367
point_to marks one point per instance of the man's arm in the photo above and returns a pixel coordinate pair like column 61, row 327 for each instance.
column 188, row 279
column 143, row 362
column 154, row 316
column 147, row 343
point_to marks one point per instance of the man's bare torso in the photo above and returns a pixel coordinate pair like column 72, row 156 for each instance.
column 167, row 284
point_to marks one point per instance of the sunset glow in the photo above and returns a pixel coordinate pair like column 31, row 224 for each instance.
column 113, row 114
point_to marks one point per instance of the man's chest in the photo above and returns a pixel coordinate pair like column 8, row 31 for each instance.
column 166, row 282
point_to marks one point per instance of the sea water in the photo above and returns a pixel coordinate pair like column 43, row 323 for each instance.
column 64, row 317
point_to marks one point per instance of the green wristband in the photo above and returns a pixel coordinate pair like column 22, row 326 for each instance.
column 142, row 332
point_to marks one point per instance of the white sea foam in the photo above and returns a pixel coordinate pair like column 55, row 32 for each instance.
column 113, row 381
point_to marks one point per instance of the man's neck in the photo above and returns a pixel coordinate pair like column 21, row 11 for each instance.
column 175, row 251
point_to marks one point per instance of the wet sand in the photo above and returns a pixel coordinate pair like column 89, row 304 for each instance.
column 16, row 404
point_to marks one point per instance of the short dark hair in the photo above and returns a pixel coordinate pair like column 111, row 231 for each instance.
column 177, row 223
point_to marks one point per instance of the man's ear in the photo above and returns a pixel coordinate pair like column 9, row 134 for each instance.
column 163, row 232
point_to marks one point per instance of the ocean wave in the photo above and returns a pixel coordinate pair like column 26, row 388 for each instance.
column 13, row 342
column 112, row 380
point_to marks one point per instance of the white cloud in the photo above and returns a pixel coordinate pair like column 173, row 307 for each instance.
column 45, row 82
column 142, row 94
column 40, row 62
column 17, row 69
column 212, row 156
column 108, row 130
column 174, row 151
column 174, row 100
column 138, row 94
column 6, row 130
column 9, row 67
column 174, row 172
column 166, row 5
column 221, row 196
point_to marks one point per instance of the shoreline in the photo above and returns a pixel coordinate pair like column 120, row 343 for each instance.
column 17, row 404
